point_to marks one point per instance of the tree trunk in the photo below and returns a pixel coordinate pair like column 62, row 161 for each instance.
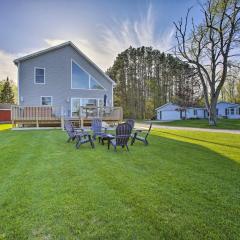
column 212, row 118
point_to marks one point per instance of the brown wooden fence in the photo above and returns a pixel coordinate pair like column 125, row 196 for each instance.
column 35, row 113
column 49, row 114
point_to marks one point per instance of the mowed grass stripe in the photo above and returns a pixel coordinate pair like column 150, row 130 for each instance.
column 176, row 188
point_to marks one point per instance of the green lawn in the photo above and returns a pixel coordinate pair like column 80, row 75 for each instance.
column 232, row 124
column 184, row 185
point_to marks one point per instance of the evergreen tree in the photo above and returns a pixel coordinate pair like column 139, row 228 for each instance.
column 147, row 78
column 6, row 94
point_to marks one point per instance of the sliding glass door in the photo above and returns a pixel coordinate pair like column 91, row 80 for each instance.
column 83, row 106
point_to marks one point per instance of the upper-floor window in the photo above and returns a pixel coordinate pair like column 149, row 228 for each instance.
column 94, row 84
column 46, row 100
column 80, row 79
column 39, row 75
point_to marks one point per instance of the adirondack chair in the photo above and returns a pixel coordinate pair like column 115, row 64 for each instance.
column 123, row 133
column 131, row 122
column 141, row 135
column 97, row 128
column 71, row 131
column 80, row 135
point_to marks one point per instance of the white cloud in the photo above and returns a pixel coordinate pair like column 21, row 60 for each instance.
column 121, row 34
column 139, row 32
column 54, row 42
column 110, row 41
column 7, row 67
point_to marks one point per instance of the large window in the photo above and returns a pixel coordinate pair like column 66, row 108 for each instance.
column 77, row 103
column 94, row 84
column 39, row 75
column 82, row 80
column 46, row 100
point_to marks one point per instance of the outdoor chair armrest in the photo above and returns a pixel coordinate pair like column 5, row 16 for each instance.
column 105, row 129
column 122, row 136
column 140, row 130
column 80, row 129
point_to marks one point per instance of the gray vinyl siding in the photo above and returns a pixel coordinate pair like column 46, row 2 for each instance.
column 57, row 64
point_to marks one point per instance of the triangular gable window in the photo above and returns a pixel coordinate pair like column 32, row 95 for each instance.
column 94, row 84
column 82, row 79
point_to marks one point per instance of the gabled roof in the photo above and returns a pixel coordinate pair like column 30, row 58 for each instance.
column 69, row 43
column 234, row 105
column 224, row 102
column 199, row 108
column 180, row 107
column 166, row 104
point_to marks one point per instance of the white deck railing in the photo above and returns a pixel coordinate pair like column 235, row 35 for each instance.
column 114, row 113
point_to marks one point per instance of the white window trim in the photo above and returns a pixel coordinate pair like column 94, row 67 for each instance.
column 46, row 96
column 89, row 76
column 35, row 75
column 98, row 99
column 112, row 97
column 232, row 111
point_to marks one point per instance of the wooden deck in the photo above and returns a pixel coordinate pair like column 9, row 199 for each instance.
column 42, row 116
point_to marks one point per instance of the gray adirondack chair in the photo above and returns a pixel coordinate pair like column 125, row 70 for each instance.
column 71, row 131
column 123, row 133
column 131, row 122
column 97, row 128
column 141, row 135
column 80, row 135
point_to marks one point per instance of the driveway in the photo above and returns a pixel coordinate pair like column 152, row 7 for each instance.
column 145, row 125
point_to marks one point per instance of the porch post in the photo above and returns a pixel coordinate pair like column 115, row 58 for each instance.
column 62, row 118
column 37, row 122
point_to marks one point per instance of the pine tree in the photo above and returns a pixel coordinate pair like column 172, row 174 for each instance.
column 147, row 78
column 6, row 94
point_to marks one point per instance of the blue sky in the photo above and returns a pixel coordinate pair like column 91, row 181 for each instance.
column 100, row 28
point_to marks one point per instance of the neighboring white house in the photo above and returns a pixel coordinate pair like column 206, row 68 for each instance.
column 196, row 112
column 228, row 110
column 170, row 111
column 233, row 111
column 222, row 108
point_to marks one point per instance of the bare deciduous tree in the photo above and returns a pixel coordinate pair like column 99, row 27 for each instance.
column 210, row 45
